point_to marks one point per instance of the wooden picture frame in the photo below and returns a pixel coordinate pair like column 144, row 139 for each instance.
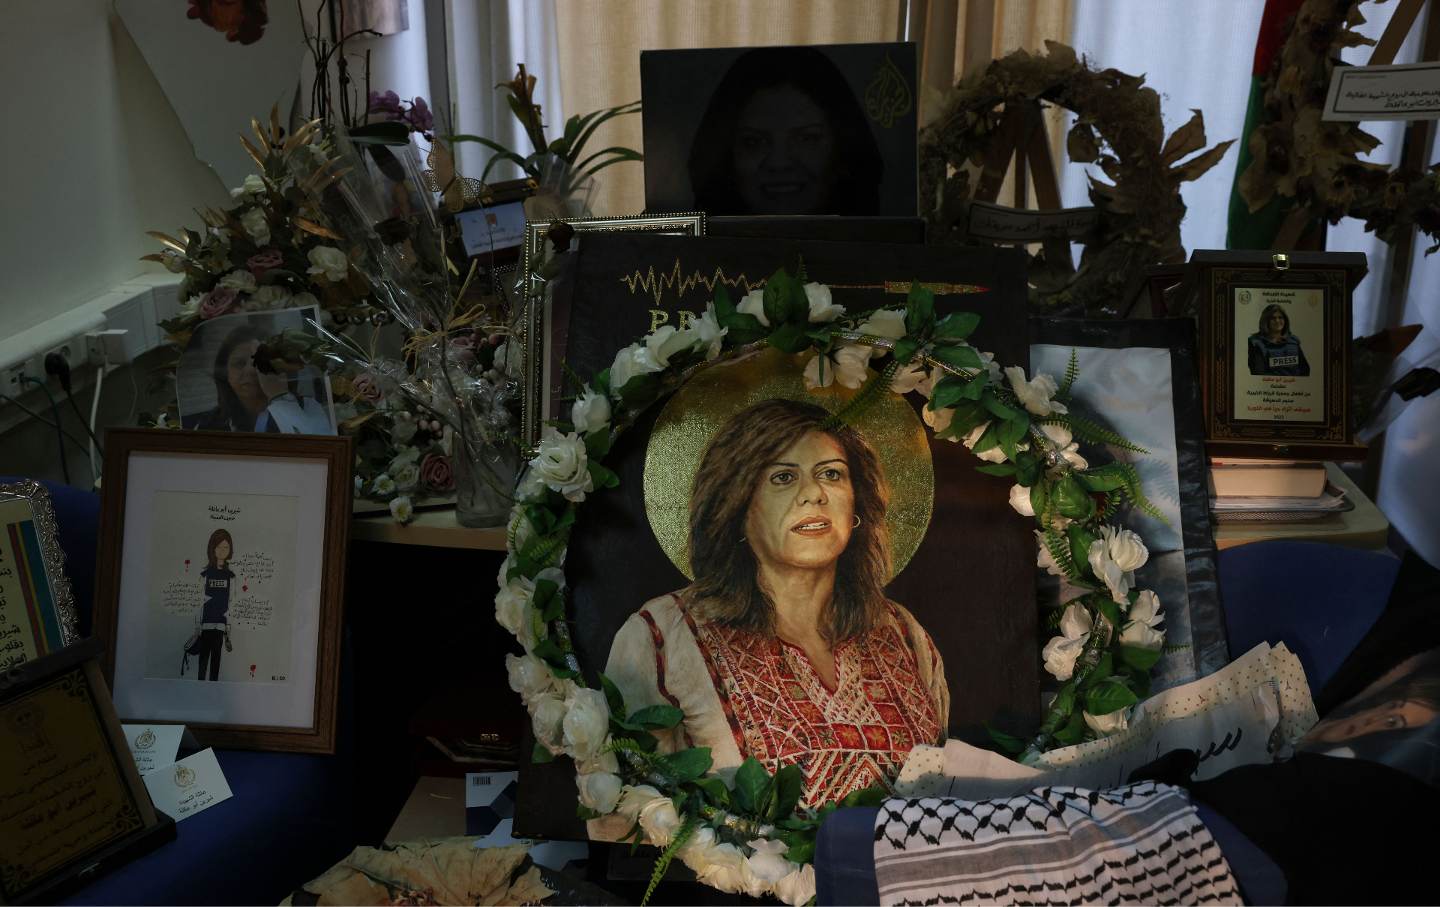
column 282, row 502
column 62, row 736
column 37, row 604
column 1279, row 389
column 542, row 328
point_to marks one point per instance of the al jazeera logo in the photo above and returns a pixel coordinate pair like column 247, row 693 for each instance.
column 888, row 96
column 184, row 777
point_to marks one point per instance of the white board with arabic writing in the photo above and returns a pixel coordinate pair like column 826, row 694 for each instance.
column 1406, row 92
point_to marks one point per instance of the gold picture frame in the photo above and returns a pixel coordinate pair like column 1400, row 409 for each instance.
column 539, row 353
column 37, row 603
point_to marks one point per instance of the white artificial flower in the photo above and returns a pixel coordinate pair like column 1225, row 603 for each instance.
column 328, row 263
column 243, row 281
column 587, row 723
column 847, row 365
column 256, row 225
column 634, row 799
column 1020, row 500
column 403, row 427
column 913, row 377
column 1045, row 559
column 635, row 359
column 938, row 419
column 887, row 323
column 591, row 412
column 1035, row 394
column 1107, row 724
column 1125, row 548
column 994, row 454
column 1061, row 651
column 531, row 486
column 530, row 677
column 1142, row 629
column 821, row 308
column 754, row 304
column 1065, row 444
column 383, row 485
column 401, row 509
column 406, row 456
column 547, row 716
column 798, row 887
column 724, row 867
column 254, row 184
column 599, row 791
column 768, row 863
column 272, row 296
column 706, row 333
column 512, row 609
column 190, row 308
column 664, row 342
column 659, row 820
column 562, row 464
column 605, row 762
column 406, row 476
column 1109, row 572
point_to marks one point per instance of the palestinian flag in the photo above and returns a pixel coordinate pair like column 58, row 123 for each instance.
column 1246, row 230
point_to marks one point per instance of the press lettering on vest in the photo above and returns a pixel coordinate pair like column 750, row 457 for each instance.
column 1279, row 361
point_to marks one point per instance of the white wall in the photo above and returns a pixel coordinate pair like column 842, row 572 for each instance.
column 94, row 157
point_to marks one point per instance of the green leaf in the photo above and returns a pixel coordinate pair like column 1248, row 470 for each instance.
column 965, row 416
column 1072, row 730
column 1102, row 478
column 715, row 791
column 1139, row 658
column 657, row 717
column 1109, row 696
column 390, row 132
column 687, row 765
column 1040, row 497
column 866, row 796
column 548, row 600
column 723, row 305
column 597, row 443
column 989, row 438
column 1008, row 744
column 801, row 852
column 1080, row 541
column 905, row 349
column 752, row 787
column 790, row 338
column 784, row 300
column 1000, row 409
column 952, row 389
column 613, row 697
column 541, row 755
column 1073, row 501
column 602, row 476
column 1107, row 608
column 996, row 469
column 1010, row 433
column 1103, row 669
column 1027, row 470
column 919, row 311
column 789, row 785
column 956, row 326
column 958, row 357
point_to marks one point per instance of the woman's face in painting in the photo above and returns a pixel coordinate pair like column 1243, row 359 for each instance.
column 803, row 506
column 222, row 551
column 252, row 387
column 783, row 153
column 1395, row 715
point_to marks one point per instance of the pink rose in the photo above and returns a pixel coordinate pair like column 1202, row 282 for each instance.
column 366, row 387
column 436, row 472
column 218, row 301
column 263, row 261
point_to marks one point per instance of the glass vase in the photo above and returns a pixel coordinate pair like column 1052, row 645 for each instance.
column 484, row 483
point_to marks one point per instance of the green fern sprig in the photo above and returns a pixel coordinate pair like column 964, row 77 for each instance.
column 1059, row 547
column 873, row 391
column 1072, row 371
column 668, row 854
column 1087, row 429
column 1133, row 492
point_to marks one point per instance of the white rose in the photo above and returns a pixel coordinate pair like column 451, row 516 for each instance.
column 587, row 722
column 599, row 791
column 273, row 296
column 1045, row 559
column 328, row 263
column 706, row 333
column 887, row 323
column 821, row 308
column 562, row 464
column 634, row 799
column 256, row 225
column 531, row 486
column 253, row 185
column 659, row 820
column 912, row 377
column 243, row 281
column 1125, row 548
column 994, row 454
column 798, row 887
column 847, row 365
column 383, row 485
column 406, row 476
column 938, row 419
column 1035, row 394
column 665, row 342
column 1064, row 444
column 591, row 412
column 1107, row 724
column 402, row 509
column 530, row 677
column 1020, row 500
column 1143, row 627
column 605, row 763
column 512, row 609
column 1061, row 652
column 1113, row 556
column 403, row 427
column 1109, row 573
column 768, row 862
column 407, row 456
column 635, row 359
column 546, row 718
column 754, row 304
column 723, row 867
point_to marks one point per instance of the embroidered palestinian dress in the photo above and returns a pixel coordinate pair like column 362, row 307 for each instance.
column 744, row 694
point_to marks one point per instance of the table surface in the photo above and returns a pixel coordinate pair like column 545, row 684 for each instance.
column 1363, row 527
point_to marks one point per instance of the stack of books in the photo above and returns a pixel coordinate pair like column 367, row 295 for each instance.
column 1243, row 490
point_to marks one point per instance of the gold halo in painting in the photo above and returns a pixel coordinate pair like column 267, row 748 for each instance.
column 713, row 394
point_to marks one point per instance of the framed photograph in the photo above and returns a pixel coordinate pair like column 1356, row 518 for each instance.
column 73, row 802
column 545, row 297
column 493, row 232
column 1143, row 375
column 781, row 130
column 37, row 606
column 221, row 583
column 1276, row 340
column 221, row 386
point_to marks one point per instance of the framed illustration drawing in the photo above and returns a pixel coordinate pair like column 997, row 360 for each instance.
column 73, row 802
column 221, row 583
column 545, row 292
column 1276, row 346
column 37, row 606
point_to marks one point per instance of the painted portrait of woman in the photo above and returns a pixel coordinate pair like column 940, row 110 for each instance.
column 785, row 647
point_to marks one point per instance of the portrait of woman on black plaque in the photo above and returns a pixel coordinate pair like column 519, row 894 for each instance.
column 1274, row 349
column 785, row 646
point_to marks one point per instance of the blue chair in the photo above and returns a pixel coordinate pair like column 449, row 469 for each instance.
column 1320, row 600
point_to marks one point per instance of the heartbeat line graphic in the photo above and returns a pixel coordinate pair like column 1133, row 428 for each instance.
column 656, row 285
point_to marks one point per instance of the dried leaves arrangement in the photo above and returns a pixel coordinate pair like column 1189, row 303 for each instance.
column 1317, row 163
column 1118, row 128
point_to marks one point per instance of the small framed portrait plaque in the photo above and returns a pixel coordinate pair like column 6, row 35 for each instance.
column 1276, row 340
column 37, row 607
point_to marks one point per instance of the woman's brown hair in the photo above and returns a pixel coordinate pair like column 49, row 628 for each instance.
column 726, row 584
column 216, row 537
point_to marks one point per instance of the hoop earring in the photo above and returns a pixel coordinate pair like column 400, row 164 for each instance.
column 857, row 522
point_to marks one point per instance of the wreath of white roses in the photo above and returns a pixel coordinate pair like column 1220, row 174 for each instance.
column 748, row 836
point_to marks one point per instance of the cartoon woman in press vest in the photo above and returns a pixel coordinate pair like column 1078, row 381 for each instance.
column 214, row 621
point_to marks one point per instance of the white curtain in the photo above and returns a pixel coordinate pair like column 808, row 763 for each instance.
column 485, row 40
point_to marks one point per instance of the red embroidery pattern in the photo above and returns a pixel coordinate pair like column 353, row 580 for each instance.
column 843, row 740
